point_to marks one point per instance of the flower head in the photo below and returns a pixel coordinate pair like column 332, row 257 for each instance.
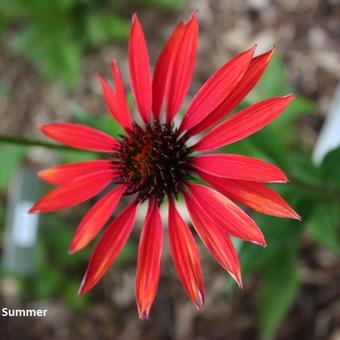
column 156, row 161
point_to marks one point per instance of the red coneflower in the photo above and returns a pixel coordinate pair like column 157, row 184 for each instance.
column 155, row 160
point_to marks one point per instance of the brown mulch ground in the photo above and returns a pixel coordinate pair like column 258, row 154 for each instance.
column 307, row 34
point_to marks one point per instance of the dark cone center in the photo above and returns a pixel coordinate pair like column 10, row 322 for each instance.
column 154, row 161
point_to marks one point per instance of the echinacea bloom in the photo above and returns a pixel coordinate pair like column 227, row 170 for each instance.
column 157, row 159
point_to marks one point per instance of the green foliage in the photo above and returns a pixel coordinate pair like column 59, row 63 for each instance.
column 13, row 154
column 275, row 83
column 331, row 170
column 324, row 221
column 280, row 286
column 166, row 4
column 313, row 192
column 324, row 225
column 59, row 274
column 102, row 122
column 55, row 34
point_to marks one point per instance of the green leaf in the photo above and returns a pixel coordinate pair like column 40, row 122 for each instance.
column 103, row 123
column 102, row 28
column 324, row 226
column 13, row 154
column 275, row 150
column 128, row 253
column 331, row 169
column 303, row 170
column 76, row 156
column 278, row 291
column 47, row 283
column 245, row 147
column 70, row 293
column 299, row 107
column 279, row 233
column 274, row 82
column 166, row 4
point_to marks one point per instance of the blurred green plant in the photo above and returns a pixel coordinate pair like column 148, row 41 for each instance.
column 54, row 35
column 13, row 154
column 58, row 274
column 313, row 191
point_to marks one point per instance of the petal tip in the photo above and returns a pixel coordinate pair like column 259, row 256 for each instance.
column 75, row 246
column 269, row 54
column 237, row 276
column 296, row 216
column 238, row 279
column 193, row 15
column 143, row 314
column 71, row 250
column 198, row 306
column 83, row 289
column 41, row 174
column 252, row 49
column 43, row 128
column 100, row 78
column 33, row 210
column 134, row 18
column 199, row 303
column 261, row 243
column 290, row 96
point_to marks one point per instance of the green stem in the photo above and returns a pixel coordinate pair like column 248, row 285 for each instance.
column 34, row 142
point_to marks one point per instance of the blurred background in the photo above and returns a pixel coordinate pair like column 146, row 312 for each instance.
column 50, row 55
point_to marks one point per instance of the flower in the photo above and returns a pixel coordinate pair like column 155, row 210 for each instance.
column 157, row 160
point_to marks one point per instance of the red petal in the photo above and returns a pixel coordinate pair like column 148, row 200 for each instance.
column 123, row 109
column 239, row 167
column 140, row 69
column 226, row 215
column 183, row 68
column 164, row 70
column 216, row 89
column 244, row 123
column 254, row 72
column 149, row 260
column 74, row 192
column 109, row 247
column 96, row 218
column 63, row 173
column 254, row 195
column 79, row 136
column 116, row 100
column 109, row 98
column 217, row 242
column 185, row 256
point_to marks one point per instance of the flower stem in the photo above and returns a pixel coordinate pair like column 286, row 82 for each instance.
column 34, row 142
